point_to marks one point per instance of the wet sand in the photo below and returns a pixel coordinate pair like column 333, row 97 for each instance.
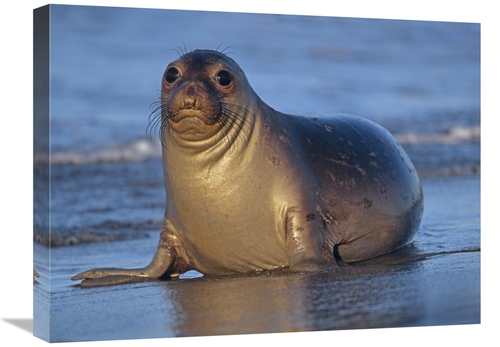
column 434, row 281
column 440, row 290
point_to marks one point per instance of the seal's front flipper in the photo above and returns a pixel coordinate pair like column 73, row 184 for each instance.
column 160, row 266
column 113, row 280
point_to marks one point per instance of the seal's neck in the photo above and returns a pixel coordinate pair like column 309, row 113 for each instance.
column 230, row 142
column 193, row 173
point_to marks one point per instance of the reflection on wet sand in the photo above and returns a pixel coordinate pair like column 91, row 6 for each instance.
column 356, row 296
column 406, row 288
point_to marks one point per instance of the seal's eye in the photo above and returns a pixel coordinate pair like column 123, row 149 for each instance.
column 172, row 74
column 224, row 78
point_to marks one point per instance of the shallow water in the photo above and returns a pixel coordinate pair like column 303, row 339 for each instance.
column 420, row 80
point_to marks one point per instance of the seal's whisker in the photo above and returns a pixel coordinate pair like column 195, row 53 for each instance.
column 157, row 120
column 181, row 51
column 217, row 49
column 225, row 51
column 176, row 51
column 219, row 54
column 154, row 118
column 152, row 127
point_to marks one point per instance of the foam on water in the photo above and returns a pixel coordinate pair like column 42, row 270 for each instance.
column 134, row 151
column 452, row 136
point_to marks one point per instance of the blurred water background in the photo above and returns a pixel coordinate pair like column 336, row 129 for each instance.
column 419, row 79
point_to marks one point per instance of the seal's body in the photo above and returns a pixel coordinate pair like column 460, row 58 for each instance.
column 250, row 188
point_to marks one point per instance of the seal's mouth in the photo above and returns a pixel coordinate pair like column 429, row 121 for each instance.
column 188, row 113
column 193, row 116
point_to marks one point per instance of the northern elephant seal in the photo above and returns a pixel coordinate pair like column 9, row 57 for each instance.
column 251, row 188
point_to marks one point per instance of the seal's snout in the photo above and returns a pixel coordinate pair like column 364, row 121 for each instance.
column 190, row 103
column 193, row 104
column 189, row 98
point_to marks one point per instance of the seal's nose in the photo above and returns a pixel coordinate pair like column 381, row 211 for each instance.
column 190, row 98
column 189, row 103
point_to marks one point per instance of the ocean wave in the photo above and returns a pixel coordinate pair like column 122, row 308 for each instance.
column 141, row 150
column 452, row 136
column 134, row 151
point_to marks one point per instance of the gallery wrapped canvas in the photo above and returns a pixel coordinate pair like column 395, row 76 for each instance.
column 211, row 173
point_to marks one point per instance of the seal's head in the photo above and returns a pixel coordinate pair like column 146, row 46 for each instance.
column 204, row 93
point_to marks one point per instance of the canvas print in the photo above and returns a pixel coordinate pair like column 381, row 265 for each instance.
column 206, row 173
